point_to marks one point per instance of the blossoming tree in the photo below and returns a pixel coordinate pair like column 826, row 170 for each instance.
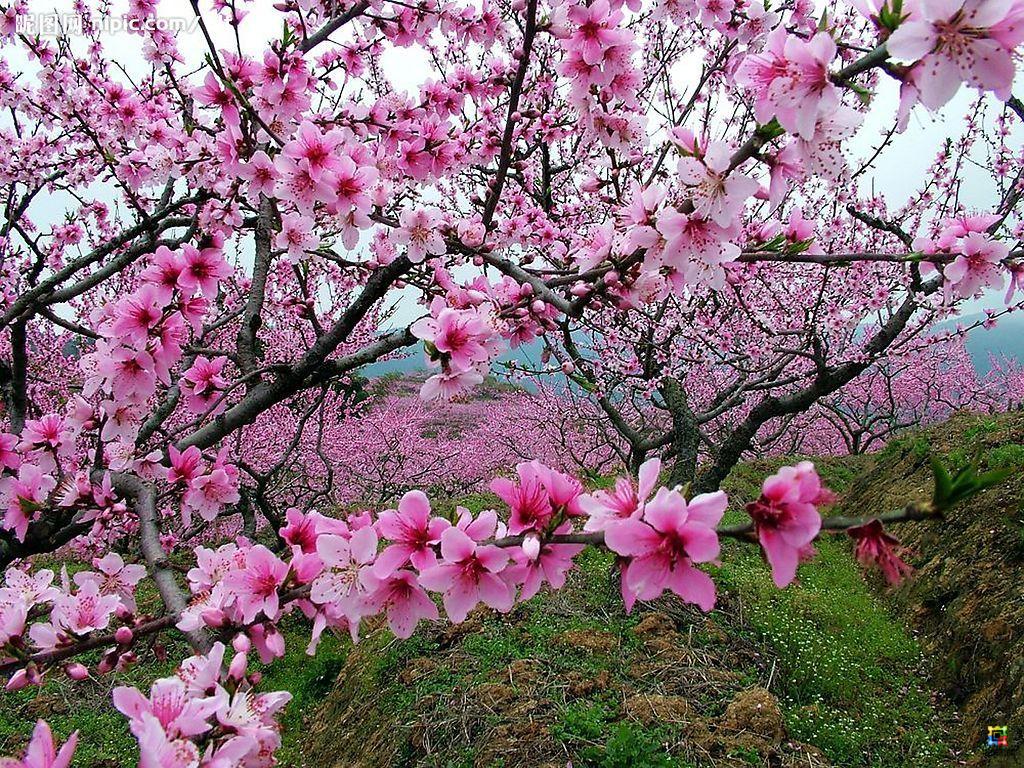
column 236, row 220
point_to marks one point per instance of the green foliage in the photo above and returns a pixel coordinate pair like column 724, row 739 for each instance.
column 954, row 488
column 1006, row 456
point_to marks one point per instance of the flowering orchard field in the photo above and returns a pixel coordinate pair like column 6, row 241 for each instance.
column 206, row 237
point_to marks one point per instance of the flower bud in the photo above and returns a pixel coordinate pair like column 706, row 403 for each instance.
column 241, row 643
column 238, row 666
column 124, row 636
column 531, row 546
column 76, row 671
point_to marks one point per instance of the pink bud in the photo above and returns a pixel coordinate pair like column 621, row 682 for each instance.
column 214, row 617
column 568, row 367
column 580, row 289
column 238, row 665
column 76, row 671
column 124, row 636
column 241, row 643
column 531, row 546
column 18, row 681
column 537, row 307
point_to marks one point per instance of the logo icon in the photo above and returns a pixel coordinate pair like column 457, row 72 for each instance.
column 997, row 736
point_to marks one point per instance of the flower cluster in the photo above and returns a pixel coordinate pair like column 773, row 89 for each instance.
column 206, row 701
column 978, row 260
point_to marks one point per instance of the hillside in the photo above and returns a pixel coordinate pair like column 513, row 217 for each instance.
column 967, row 599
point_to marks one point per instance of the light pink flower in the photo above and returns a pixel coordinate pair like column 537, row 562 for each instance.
column 42, row 752
column 623, row 501
column 85, row 610
column 405, row 602
column 666, row 541
column 960, row 41
column 180, row 713
column 420, row 230
column 413, row 534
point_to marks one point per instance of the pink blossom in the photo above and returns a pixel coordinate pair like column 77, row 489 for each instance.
column 873, row 546
column 528, row 501
column 42, row 752
column 718, row 194
column 260, row 174
column 413, row 533
column 468, row 574
column 405, row 602
column 790, row 80
column 980, row 265
column 296, row 236
column 623, row 501
column 450, row 384
column 25, row 496
column 256, row 585
column 203, row 270
column 185, row 465
column 664, row 544
column 115, row 577
column 420, row 230
column 348, row 579
column 203, row 383
column 960, row 41
column 459, row 337
column 85, row 610
column 786, row 517
column 179, row 712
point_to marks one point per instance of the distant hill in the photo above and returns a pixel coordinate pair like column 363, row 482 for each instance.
column 1007, row 338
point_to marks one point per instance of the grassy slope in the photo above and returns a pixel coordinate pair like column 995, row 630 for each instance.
column 845, row 671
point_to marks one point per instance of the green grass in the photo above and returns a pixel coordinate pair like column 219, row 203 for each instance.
column 846, row 667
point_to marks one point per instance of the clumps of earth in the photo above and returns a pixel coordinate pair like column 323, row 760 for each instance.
column 664, row 683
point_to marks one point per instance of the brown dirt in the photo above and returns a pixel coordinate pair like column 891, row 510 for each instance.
column 966, row 600
column 671, row 681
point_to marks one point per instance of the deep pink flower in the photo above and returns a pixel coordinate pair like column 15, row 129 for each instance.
column 255, row 586
column 873, row 546
column 185, row 465
column 413, row 533
column 461, row 336
column 663, row 545
column 202, row 270
column 528, row 501
column 786, row 517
